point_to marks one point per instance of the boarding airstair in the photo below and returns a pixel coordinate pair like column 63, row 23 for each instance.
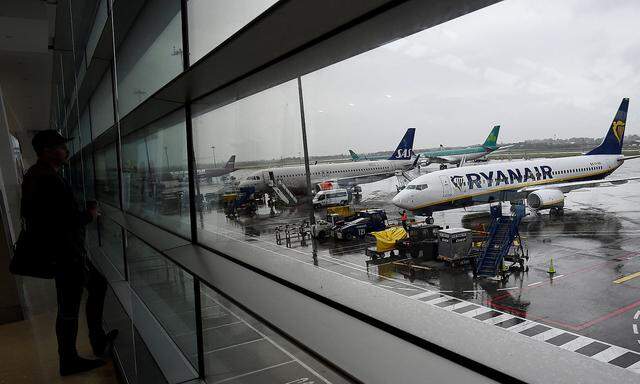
column 283, row 193
column 403, row 178
column 502, row 233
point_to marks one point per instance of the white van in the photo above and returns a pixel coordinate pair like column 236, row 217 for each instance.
column 330, row 197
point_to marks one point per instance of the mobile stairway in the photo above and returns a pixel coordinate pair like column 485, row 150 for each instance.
column 503, row 235
column 283, row 193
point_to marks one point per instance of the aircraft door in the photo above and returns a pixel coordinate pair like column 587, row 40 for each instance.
column 269, row 179
column 446, row 186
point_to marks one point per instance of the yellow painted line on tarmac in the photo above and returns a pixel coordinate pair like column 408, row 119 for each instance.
column 627, row 278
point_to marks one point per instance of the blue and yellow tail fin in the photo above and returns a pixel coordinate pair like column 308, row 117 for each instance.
column 612, row 142
column 404, row 151
column 492, row 139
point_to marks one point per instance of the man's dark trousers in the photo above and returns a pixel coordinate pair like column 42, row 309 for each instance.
column 70, row 282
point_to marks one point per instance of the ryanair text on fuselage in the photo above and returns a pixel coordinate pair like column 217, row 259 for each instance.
column 497, row 178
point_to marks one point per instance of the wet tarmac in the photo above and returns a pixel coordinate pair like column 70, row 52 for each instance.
column 595, row 248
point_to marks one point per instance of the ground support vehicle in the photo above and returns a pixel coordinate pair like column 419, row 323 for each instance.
column 365, row 222
column 421, row 242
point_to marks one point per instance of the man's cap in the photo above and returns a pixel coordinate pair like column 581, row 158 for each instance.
column 47, row 139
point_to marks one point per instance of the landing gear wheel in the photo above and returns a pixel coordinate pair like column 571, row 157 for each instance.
column 556, row 211
column 429, row 220
column 443, row 166
column 348, row 236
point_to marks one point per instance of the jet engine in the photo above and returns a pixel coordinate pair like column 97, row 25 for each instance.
column 545, row 199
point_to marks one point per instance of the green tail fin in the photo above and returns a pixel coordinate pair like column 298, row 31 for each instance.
column 354, row 156
column 492, row 139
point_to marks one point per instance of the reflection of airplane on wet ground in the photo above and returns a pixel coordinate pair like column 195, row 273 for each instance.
column 208, row 173
column 461, row 155
column 542, row 182
column 285, row 181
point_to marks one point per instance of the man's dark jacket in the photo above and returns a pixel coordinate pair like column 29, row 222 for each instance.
column 52, row 215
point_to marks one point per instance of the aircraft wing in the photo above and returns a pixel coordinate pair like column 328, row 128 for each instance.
column 442, row 159
column 629, row 157
column 503, row 147
column 568, row 187
column 346, row 182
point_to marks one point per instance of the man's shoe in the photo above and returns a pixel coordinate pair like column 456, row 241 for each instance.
column 100, row 346
column 78, row 365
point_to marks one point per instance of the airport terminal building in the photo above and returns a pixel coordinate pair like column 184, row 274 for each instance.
column 204, row 129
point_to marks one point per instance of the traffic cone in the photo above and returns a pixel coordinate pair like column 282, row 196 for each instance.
column 552, row 269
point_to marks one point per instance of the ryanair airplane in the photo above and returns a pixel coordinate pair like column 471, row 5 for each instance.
column 337, row 175
column 541, row 182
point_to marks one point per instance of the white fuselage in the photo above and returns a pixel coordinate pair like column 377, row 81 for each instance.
column 457, row 159
column 500, row 181
column 343, row 174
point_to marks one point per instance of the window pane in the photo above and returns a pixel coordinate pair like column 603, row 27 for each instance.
column 151, row 54
column 96, row 29
column 259, row 131
column 115, row 317
column 89, row 182
column 155, row 173
column 213, row 21
column 167, row 291
column 112, row 243
column 101, row 105
column 85, row 127
column 107, row 175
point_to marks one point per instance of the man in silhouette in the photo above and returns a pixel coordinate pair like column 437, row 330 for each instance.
column 52, row 216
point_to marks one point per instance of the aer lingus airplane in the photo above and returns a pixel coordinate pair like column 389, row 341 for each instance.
column 461, row 155
column 543, row 183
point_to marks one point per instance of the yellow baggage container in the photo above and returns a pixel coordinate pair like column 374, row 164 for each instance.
column 341, row 210
column 228, row 197
column 386, row 240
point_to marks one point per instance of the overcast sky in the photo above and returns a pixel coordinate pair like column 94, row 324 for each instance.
column 538, row 68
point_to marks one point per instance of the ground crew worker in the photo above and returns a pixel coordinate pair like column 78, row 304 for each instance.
column 52, row 216
column 404, row 219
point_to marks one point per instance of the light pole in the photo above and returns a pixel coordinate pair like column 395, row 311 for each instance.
column 213, row 150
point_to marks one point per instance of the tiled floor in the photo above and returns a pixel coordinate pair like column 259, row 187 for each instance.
column 237, row 347
column 28, row 349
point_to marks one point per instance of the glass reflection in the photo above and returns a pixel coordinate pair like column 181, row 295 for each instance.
column 101, row 106
column 107, row 175
column 151, row 54
column 167, row 291
column 234, row 147
column 111, row 242
column 213, row 21
column 155, row 182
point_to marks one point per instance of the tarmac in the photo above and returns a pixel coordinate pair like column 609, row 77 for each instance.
column 590, row 305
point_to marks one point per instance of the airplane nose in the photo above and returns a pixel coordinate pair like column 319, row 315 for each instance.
column 399, row 201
